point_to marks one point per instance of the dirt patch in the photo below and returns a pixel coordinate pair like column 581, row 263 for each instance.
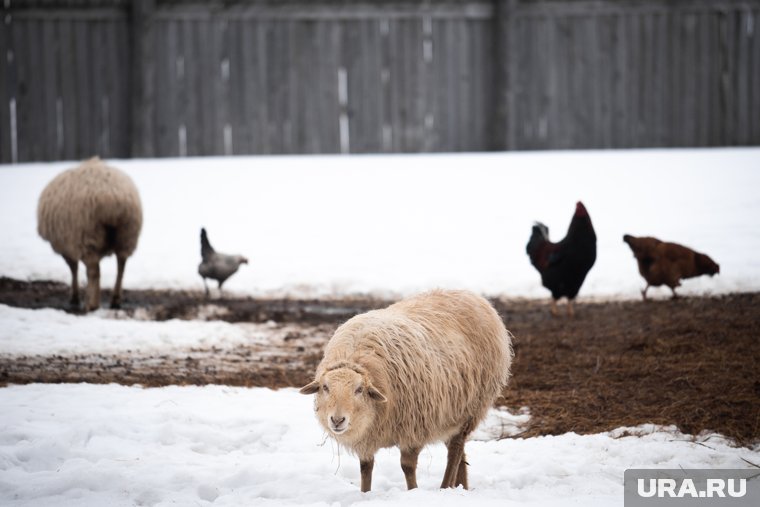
column 190, row 305
column 692, row 362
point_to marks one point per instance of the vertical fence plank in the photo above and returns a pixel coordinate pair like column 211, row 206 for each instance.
column 142, row 53
column 91, row 62
column 237, row 85
column 122, row 77
column 208, row 129
column 728, row 70
column 274, row 86
column 163, row 95
column 69, row 92
column 703, row 77
column 38, row 114
column 714, row 64
column 5, row 89
column 744, row 64
column 657, row 103
column 262, row 102
column 221, row 96
column 83, row 82
column 441, row 89
column 566, row 102
column 646, row 76
column 606, row 65
column 450, row 90
column 105, row 99
column 305, row 124
column 372, row 141
column 188, row 106
column 258, row 95
column 167, row 129
column 49, row 49
column 24, row 101
column 753, row 30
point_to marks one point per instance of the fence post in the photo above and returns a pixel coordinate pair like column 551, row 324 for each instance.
column 503, row 121
column 141, row 41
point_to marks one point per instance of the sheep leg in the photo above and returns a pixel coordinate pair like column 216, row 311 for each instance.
column 673, row 290
column 455, row 456
column 409, row 466
column 555, row 312
column 462, row 473
column 365, row 466
column 116, row 297
column 456, row 473
column 93, row 285
column 570, row 310
column 644, row 292
column 74, row 267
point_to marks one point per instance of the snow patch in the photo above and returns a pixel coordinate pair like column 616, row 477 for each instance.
column 91, row 445
column 393, row 225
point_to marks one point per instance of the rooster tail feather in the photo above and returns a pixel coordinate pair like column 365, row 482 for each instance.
column 538, row 237
column 206, row 248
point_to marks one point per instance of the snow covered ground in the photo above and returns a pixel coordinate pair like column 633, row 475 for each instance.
column 88, row 445
column 393, row 225
column 387, row 225
column 48, row 332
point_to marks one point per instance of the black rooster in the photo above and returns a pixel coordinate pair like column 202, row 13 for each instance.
column 564, row 265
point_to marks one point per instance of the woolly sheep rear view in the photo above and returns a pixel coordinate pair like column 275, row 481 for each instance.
column 87, row 213
column 423, row 370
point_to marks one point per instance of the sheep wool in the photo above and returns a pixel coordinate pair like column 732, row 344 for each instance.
column 423, row 370
column 87, row 213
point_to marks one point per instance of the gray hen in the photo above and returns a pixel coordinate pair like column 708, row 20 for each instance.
column 215, row 265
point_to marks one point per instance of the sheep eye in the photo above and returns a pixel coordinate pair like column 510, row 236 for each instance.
column 358, row 390
column 325, row 389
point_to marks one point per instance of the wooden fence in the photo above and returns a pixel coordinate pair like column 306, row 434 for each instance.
column 176, row 78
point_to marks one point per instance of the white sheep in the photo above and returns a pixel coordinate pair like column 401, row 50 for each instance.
column 423, row 370
column 87, row 213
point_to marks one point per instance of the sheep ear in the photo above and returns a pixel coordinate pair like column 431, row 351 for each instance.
column 376, row 395
column 310, row 388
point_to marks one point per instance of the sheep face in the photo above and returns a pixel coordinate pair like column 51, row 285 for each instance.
column 345, row 403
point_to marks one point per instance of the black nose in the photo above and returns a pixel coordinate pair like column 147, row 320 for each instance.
column 337, row 421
